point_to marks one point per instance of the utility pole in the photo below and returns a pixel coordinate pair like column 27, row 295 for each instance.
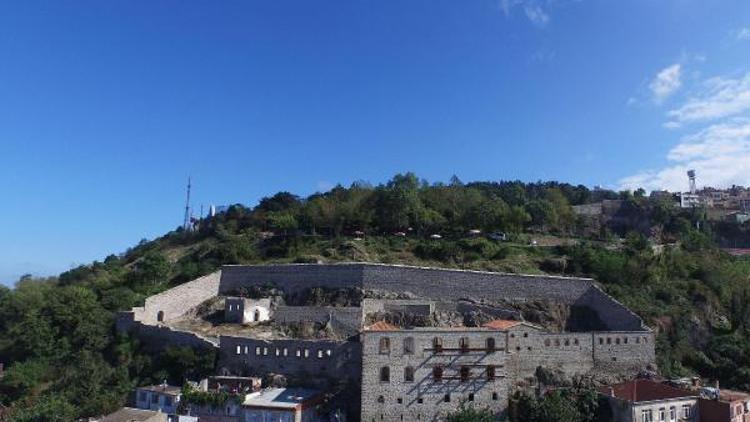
column 186, row 223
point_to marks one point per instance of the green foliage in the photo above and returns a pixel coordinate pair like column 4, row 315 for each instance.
column 215, row 399
column 579, row 404
column 467, row 413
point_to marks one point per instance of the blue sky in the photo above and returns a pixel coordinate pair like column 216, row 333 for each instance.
column 107, row 106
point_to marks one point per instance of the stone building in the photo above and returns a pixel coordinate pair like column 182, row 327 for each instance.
column 400, row 342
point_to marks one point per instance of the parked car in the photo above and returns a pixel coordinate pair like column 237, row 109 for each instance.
column 500, row 236
column 435, row 236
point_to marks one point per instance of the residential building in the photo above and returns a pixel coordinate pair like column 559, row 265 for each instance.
column 729, row 406
column 129, row 414
column 164, row 398
column 282, row 405
column 643, row 400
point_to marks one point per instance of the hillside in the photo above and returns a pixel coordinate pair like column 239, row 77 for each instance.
column 62, row 356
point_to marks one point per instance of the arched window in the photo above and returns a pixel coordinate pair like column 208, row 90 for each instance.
column 490, row 344
column 408, row 374
column 385, row 345
column 256, row 315
column 437, row 373
column 437, row 344
column 463, row 344
column 385, row 374
column 381, row 399
column 160, row 316
column 465, row 373
column 409, row 346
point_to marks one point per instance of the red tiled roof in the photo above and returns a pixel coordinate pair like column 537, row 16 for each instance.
column 641, row 390
column 382, row 326
column 501, row 324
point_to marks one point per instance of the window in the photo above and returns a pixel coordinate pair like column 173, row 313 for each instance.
column 463, row 344
column 625, row 340
column 329, row 352
column 265, row 351
column 637, row 340
column 381, row 399
column 385, row 374
column 490, row 372
column 437, row 373
column 601, row 340
column 567, row 342
column 672, row 414
column 662, row 414
column 686, row 410
column 167, row 401
column 575, row 341
column 278, row 352
column 447, row 398
column 646, row 416
column 400, row 401
column 609, row 340
column 307, row 353
column 239, row 350
column 257, row 350
column 557, row 342
column 547, row 343
column 420, row 400
column 320, row 354
column 617, row 340
column 408, row 374
column 437, row 344
column 490, row 344
column 160, row 316
column 285, row 351
column 525, row 335
column 409, row 346
column 142, row 396
column 247, row 350
column 465, row 373
column 299, row 353
column 471, row 396
column 494, row 396
column 384, row 346
column 256, row 315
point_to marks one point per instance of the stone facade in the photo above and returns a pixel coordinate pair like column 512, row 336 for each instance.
column 243, row 311
column 514, row 353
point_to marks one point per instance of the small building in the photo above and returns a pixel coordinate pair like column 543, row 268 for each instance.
column 727, row 406
column 690, row 200
column 164, row 398
column 129, row 414
column 242, row 311
column 643, row 400
column 282, row 405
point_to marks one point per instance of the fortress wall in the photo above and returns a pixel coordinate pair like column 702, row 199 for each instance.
column 442, row 284
column 159, row 337
column 291, row 278
column 571, row 353
column 306, row 360
column 619, row 351
column 293, row 314
column 176, row 301
column 615, row 315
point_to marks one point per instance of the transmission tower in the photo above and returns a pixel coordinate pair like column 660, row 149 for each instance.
column 187, row 224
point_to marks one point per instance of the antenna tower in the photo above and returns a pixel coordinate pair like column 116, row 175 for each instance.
column 691, row 177
column 186, row 224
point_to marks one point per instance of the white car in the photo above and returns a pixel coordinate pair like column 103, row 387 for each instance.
column 435, row 236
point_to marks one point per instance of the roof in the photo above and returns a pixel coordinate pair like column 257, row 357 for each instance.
column 129, row 414
column 382, row 326
column 501, row 324
column 280, row 398
column 731, row 395
column 642, row 390
column 162, row 389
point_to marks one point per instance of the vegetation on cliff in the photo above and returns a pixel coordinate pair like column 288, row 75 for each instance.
column 63, row 356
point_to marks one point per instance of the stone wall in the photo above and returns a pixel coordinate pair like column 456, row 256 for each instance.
column 292, row 278
column 158, row 337
column 423, row 398
column 307, row 360
column 615, row 315
column 346, row 321
column 175, row 302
